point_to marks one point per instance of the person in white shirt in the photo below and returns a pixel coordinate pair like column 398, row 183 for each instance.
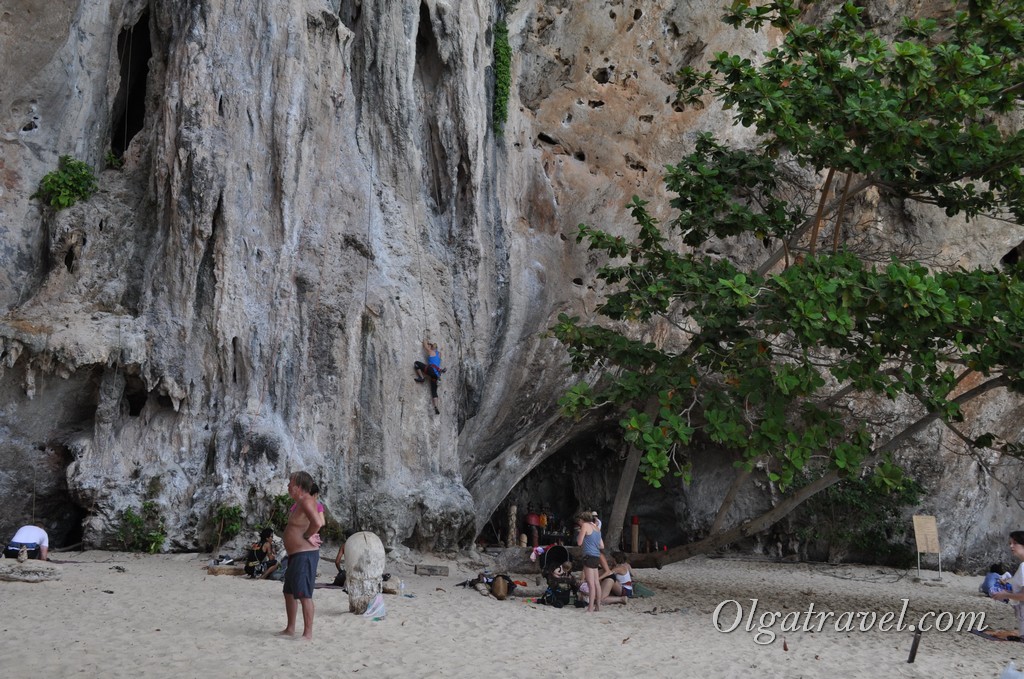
column 1016, row 597
column 33, row 539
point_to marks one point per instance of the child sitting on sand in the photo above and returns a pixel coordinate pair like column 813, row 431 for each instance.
column 561, row 586
column 996, row 579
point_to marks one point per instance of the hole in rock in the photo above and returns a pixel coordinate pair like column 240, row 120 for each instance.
column 135, row 394
column 63, row 516
column 602, row 75
column 134, row 50
column 349, row 12
column 1012, row 258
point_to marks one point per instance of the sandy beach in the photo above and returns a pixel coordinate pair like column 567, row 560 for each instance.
column 128, row 615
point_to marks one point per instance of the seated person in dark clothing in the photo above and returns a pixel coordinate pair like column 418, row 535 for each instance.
column 262, row 560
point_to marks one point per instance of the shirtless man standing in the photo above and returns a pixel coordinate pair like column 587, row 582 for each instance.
column 302, row 542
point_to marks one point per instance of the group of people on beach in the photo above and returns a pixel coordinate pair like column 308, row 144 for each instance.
column 602, row 584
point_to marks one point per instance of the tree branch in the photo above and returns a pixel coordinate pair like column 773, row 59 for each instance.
column 821, row 208
column 729, row 498
column 801, row 495
column 792, row 241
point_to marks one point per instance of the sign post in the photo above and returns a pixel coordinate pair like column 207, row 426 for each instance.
column 927, row 536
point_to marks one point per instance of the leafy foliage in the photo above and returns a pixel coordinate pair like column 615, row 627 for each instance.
column 229, row 521
column 142, row 532
column 770, row 363
column 914, row 114
column 112, row 160
column 502, row 75
column 280, row 504
column 72, row 181
column 862, row 516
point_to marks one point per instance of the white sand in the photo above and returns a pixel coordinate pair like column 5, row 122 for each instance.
column 164, row 616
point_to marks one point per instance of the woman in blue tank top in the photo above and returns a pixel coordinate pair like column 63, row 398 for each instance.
column 589, row 538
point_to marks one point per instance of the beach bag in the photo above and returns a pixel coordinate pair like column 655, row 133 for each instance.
column 499, row 588
column 505, row 589
column 558, row 596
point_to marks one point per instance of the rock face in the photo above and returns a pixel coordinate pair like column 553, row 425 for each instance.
column 308, row 190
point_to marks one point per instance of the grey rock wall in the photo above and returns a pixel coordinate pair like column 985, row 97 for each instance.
column 309, row 189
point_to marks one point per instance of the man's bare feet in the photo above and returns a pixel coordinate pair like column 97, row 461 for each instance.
column 285, row 633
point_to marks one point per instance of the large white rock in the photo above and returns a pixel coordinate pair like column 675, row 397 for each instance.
column 364, row 563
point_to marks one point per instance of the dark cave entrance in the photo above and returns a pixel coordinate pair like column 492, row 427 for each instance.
column 43, row 437
column 582, row 475
column 65, row 517
column 134, row 49
column 1012, row 258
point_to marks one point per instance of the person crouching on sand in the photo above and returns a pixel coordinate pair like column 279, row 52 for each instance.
column 302, row 542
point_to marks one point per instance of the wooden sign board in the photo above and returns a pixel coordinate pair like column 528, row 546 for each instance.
column 926, row 534
column 422, row 569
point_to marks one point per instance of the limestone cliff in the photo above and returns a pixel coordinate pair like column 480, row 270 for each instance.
column 308, row 190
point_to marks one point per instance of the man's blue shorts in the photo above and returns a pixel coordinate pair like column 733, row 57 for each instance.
column 300, row 577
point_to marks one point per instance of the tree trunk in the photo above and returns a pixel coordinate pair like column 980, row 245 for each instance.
column 613, row 532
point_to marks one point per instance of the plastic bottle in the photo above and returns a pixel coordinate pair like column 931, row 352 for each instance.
column 401, row 588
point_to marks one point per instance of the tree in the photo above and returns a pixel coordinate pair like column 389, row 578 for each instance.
column 766, row 361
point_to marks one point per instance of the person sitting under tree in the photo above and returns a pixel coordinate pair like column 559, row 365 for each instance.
column 431, row 371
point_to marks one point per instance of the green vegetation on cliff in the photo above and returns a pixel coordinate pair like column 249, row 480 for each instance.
column 71, row 182
column 502, row 75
